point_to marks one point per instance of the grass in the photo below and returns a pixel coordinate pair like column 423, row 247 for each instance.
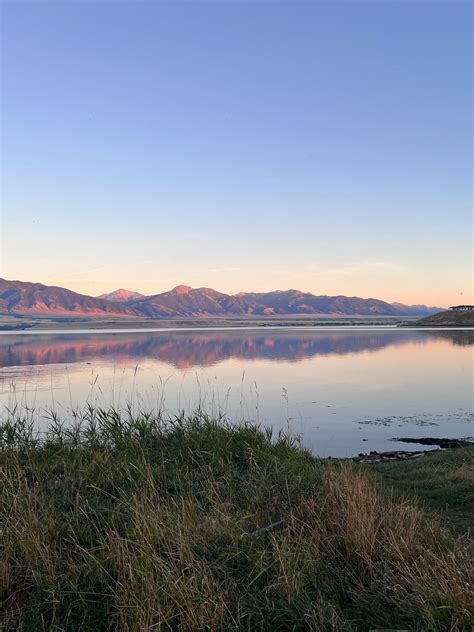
column 443, row 483
column 140, row 523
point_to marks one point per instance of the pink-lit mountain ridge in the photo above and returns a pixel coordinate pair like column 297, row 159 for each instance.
column 36, row 299
column 122, row 296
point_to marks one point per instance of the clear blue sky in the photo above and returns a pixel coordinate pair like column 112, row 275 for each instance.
column 239, row 145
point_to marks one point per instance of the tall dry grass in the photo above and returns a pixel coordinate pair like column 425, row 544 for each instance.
column 144, row 524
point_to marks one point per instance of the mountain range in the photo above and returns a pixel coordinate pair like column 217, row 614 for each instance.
column 36, row 299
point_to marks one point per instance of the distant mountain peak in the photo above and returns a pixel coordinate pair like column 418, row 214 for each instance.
column 121, row 295
column 181, row 289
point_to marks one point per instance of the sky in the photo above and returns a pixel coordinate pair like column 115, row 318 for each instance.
column 245, row 146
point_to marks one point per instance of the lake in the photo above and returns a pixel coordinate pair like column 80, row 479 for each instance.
column 345, row 390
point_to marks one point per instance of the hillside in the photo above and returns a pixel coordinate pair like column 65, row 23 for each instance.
column 36, row 299
column 449, row 318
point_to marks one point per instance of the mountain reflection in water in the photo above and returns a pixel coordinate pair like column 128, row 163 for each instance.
column 342, row 390
column 185, row 350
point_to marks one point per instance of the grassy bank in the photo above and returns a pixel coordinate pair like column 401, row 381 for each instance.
column 140, row 524
column 443, row 483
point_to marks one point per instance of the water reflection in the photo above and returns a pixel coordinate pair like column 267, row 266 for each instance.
column 344, row 391
column 184, row 350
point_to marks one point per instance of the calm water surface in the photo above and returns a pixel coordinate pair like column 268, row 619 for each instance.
column 344, row 391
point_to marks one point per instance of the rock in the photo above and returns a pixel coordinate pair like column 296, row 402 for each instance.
column 441, row 442
column 382, row 457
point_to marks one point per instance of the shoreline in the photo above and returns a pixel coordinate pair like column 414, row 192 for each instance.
column 173, row 328
column 375, row 457
column 25, row 323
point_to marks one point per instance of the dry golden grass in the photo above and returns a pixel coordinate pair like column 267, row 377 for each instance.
column 150, row 528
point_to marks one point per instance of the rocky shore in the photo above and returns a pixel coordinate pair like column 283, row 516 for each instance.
column 374, row 457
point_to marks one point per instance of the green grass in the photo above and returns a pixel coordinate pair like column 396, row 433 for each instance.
column 442, row 482
column 141, row 523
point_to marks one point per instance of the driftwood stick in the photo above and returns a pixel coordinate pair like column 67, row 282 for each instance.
column 270, row 527
column 212, row 554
